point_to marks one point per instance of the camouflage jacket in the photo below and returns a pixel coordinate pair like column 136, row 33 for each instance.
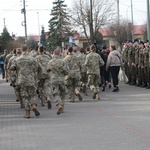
column 27, row 69
column 82, row 58
column 73, row 65
column 125, row 55
column 12, row 73
column 93, row 63
column 33, row 53
column 136, row 55
column 7, row 58
column 141, row 60
column 131, row 55
column 57, row 69
column 146, row 57
column 43, row 60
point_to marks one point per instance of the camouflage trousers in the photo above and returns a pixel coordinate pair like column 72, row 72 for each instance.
column 132, row 73
column 133, row 78
column 72, row 85
column 59, row 93
column 126, row 70
column 6, row 72
column 141, row 75
column 44, row 88
column 146, row 74
column 29, row 96
column 17, row 90
column 83, row 80
column 93, row 81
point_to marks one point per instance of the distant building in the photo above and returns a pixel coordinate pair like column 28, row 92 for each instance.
column 140, row 33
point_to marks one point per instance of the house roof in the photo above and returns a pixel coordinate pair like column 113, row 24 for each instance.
column 35, row 37
column 138, row 30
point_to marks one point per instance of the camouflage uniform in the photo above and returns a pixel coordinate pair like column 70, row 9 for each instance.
column 33, row 53
column 140, row 66
column 44, row 88
column 93, row 63
column 146, row 65
column 131, row 65
column 27, row 69
column 58, row 70
column 5, row 66
column 83, row 79
column 72, row 79
column 125, row 60
column 13, row 77
column 136, row 62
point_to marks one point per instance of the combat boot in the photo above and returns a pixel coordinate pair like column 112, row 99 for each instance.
column 79, row 96
column 132, row 83
column 83, row 88
column 35, row 109
column 145, row 84
column 59, row 109
column 95, row 92
column 139, row 83
column 49, row 105
column 72, row 98
column 103, row 87
column 27, row 114
column 62, row 110
column 42, row 102
column 148, row 87
column 97, row 96
column 21, row 104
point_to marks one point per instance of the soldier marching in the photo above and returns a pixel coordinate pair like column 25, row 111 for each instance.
column 39, row 76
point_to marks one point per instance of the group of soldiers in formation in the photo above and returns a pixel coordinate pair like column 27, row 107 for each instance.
column 136, row 59
column 37, row 74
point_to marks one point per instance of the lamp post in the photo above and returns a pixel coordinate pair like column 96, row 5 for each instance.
column 148, row 20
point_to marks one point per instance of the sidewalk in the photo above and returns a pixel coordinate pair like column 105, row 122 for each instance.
column 119, row 121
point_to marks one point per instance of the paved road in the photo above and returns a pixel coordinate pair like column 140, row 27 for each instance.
column 119, row 121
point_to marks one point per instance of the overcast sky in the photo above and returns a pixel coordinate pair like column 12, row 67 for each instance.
column 11, row 11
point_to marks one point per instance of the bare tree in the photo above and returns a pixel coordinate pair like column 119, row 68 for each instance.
column 120, row 33
column 144, row 30
column 103, row 12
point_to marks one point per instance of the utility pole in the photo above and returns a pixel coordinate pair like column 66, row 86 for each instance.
column 91, row 22
column 24, row 23
column 132, row 30
column 4, row 23
column 118, row 14
column 148, row 20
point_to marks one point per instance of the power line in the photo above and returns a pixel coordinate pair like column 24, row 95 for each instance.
column 134, row 8
column 26, row 9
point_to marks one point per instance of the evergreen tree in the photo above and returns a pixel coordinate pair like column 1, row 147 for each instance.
column 43, row 38
column 58, row 24
column 5, row 38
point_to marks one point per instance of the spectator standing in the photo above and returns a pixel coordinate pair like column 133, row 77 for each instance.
column 114, row 62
